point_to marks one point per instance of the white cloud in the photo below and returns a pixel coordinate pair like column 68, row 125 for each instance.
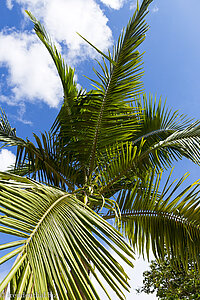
column 31, row 73
column 7, row 159
column 155, row 9
column 114, row 4
column 62, row 19
column 9, row 4
column 21, row 112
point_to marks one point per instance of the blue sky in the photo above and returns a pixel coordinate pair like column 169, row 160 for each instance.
column 30, row 91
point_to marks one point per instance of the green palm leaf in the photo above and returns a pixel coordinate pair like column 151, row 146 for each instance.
column 122, row 81
column 154, row 218
column 65, row 73
column 118, row 167
column 185, row 142
column 101, row 160
column 62, row 241
column 46, row 161
column 157, row 121
column 103, row 116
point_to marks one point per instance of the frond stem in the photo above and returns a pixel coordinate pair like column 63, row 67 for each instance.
column 148, row 213
column 43, row 217
column 92, row 155
column 149, row 134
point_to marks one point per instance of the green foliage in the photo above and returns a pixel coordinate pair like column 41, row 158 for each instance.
column 59, row 236
column 102, row 159
column 171, row 281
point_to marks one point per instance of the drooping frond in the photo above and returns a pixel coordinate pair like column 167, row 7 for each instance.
column 57, row 242
column 7, row 133
column 157, row 121
column 121, row 163
column 154, row 218
column 45, row 161
column 156, row 124
column 185, row 142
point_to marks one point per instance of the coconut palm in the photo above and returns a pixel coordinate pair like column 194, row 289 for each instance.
column 89, row 191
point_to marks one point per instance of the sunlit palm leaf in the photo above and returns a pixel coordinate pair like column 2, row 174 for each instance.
column 71, row 107
column 66, row 73
column 61, row 244
column 104, row 117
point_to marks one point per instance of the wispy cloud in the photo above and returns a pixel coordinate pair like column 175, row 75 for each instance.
column 9, row 4
column 155, row 9
column 114, row 4
column 21, row 113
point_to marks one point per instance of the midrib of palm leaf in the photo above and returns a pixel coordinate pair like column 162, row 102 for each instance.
column 43, row 217
column 154, row 213
column 60, row 209
column 119, row 61
column 155, row 132
column 33, row 232
column 65, row 73
column 184, row 137
column 97, row 129
column 143, row 215
column 156, row 119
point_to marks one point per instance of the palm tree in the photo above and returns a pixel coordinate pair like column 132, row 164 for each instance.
column 92, row 184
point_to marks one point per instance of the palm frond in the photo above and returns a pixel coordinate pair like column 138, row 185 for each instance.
column 119, row 83
column 7, row 132
column 72, row 96
column 181, row 143
column 100, row 111
column 87, row 112
column 65, row 73
column 47, row 162
column 61, row 243
column 119, row 165
column 155, row 218
column 157, row 121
